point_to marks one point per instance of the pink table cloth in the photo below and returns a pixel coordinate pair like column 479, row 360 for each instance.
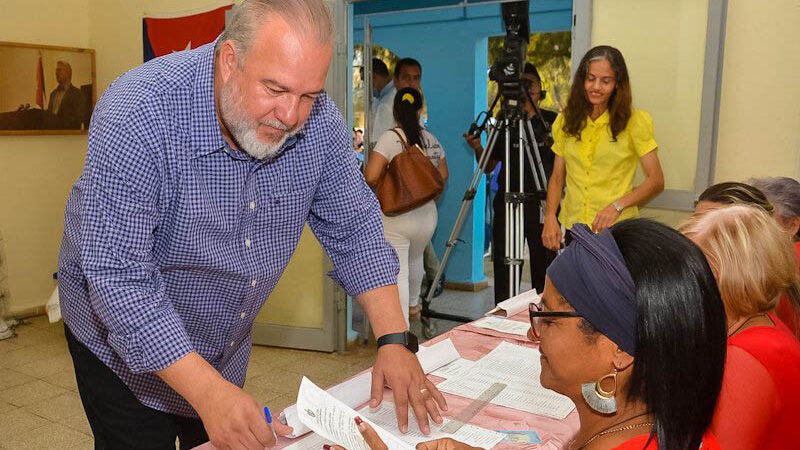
column 473, row 343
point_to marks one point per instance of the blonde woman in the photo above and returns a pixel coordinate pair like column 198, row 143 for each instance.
column 753, row 262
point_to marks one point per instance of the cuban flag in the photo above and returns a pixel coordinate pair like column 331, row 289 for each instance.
column 164, row 35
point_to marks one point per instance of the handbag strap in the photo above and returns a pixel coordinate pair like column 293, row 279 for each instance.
column 402, row 140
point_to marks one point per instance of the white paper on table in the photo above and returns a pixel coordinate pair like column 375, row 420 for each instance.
column 335, row 421
column 519, row 368
column 503, row 325
column 311, row 442
column 514, row 305
column 384, row 416
column 456, row 368
column 356, row 391
column 437, row 355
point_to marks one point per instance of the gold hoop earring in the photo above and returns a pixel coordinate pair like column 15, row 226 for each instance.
column 603, row 393
column 598, row 398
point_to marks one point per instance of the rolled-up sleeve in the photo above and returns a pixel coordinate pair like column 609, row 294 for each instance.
column 120, row 216
column 345, row 217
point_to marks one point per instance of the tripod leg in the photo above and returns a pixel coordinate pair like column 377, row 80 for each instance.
column 452, row 240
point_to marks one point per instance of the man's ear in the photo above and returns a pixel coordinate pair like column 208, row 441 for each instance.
column 228, row 60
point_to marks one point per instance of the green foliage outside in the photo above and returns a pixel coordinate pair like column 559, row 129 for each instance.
column 550, row 53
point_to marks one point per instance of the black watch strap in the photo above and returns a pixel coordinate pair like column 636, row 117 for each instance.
column 407, row 339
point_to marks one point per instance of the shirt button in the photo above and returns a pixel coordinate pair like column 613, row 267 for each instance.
column 242, row 315
column 252, row 205
column 233, row 343
column 247, row 242
column 253, row 283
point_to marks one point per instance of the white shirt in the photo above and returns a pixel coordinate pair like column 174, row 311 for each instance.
column 382, row 115
column 389, row 145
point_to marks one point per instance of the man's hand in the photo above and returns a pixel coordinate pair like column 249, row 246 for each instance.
column 605, row 218
column 474, row 141
column 398, row 368
column 234, row 420
column 551, row 233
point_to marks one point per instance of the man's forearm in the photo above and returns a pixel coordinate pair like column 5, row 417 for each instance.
column 192, row 377
column 382, row 306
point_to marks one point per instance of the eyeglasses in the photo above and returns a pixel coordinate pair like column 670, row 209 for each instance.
column 535, row 313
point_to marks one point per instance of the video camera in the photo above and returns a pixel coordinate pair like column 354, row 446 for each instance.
column 507, row 70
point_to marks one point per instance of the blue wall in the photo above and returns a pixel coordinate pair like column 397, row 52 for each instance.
column 451, row 45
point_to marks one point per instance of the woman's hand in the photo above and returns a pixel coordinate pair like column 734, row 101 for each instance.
column 605, row 218
column 551, row 233
column 368, row 433
column 445, row 444
column 376, row 443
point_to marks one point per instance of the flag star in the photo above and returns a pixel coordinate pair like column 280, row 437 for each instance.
column 188, row 47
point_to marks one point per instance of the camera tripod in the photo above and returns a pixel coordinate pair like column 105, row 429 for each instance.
column 514, row 118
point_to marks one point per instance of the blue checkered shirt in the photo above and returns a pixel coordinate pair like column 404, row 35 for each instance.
column 173, row 241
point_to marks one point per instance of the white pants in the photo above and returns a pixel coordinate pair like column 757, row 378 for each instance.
column 409, row 234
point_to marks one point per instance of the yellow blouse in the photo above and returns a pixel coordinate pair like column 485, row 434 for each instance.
column 600, row 170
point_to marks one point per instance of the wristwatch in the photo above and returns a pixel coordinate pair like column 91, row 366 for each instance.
column 407, row 339
column 617, row 206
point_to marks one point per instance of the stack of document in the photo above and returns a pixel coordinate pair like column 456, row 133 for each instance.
column 514, row 305
column 516, row 366
column 356, row 391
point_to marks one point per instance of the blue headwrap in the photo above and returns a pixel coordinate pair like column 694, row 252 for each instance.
column 591, row 274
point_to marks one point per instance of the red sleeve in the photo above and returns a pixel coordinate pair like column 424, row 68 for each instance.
column 746, row 404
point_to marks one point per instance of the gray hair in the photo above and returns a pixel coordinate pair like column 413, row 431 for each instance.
column 67, row 66
column 782, row 192
column 306, row 16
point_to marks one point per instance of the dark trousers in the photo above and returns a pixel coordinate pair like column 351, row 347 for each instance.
column 118, row 419
column 540, row 257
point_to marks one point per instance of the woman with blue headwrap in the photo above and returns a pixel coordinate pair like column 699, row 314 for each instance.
column 632, row 329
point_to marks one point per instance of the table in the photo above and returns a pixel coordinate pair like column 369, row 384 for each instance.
column 472, row 343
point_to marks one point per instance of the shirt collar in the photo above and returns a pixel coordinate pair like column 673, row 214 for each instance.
column 206, row 135
column 389, row 86
column 603, row 119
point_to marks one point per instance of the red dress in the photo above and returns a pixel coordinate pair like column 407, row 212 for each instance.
column 637, row 443
column 785, row 311
column 759, row 405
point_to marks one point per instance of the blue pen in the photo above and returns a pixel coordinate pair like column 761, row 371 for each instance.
column 268, row 415
column 269, row 421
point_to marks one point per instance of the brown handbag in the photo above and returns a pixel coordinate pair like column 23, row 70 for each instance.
column 410, row 181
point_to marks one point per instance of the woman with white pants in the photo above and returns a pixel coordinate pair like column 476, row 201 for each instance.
column 411, row 231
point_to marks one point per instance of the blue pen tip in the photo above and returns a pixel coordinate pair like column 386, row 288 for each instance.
column 267, row 414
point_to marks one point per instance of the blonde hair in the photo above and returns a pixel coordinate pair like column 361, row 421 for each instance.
column 751, row 256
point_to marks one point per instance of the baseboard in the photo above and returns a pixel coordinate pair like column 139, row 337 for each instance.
column 466, row 286
column 22, row 312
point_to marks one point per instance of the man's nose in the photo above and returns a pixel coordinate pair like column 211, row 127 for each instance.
column 287, row 110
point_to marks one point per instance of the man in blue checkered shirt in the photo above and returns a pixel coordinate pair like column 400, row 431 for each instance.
column 203, row 167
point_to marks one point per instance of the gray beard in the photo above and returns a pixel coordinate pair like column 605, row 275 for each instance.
column 244, row 129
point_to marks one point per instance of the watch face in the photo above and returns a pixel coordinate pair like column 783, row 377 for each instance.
column 413, row 343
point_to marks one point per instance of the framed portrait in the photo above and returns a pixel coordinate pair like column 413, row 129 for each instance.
column 45, row 89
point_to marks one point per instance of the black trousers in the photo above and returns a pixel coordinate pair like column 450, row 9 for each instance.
column 118, row 419
column 540, row 257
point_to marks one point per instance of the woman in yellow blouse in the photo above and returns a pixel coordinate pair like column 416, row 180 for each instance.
column 598, row 140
